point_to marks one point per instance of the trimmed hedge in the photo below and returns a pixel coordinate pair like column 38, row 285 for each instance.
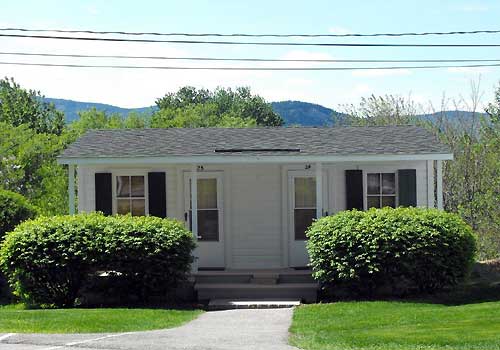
column 401, row 249
column 50, row 259
column 14, row 209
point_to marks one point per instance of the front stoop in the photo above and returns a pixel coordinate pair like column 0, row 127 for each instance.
column 262, row 286
column 228, row 304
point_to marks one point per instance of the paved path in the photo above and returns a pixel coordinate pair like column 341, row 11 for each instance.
column 216, row 330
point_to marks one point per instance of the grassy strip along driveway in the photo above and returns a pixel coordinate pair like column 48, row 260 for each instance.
column 396, row 326
column 14, row 318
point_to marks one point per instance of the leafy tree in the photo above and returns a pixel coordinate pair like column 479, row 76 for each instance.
column 186, row 96
column 28, row 166
column 216, row 105
column 382, row 110
column 19, row 106
column 200, row 115
column 95, row 119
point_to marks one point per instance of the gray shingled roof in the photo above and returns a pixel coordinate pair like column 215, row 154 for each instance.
column 254, row 141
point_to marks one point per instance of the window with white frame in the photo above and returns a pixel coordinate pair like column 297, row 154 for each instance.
column 130, row 195
column 381, row 190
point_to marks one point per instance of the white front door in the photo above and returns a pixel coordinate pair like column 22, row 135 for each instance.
column 210, row 247
column 302, row 212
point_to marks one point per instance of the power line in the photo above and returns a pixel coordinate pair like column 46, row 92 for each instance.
column 216, row 42
column 246, row 59
column 247, row 68
column 257, row 35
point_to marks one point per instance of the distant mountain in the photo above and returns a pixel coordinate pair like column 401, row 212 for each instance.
column 71, row 108
column 305, row 114
column 293, row 112
column 464, row 117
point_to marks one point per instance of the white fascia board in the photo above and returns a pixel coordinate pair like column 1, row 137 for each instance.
column 253, row 159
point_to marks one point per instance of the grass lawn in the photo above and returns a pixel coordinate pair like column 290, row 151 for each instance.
column 386, row 325
column 14, row 318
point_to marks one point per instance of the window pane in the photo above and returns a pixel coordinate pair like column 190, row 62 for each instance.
column 122, row 186
column 207, row 193
column 305, row 192
column 138, row 207
column 389, row 201
column 373, row 202
column 303, row 219
column 388, row 183
column 137, row 186
column 373, row 183
column 208, row 225
column 123, row 206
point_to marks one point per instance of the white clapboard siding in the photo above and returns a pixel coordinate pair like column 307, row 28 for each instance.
column 255, row 208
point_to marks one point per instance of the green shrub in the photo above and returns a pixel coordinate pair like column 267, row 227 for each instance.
column 149, row 254
column 50, row 259
column 402, row 248
column 14, row 209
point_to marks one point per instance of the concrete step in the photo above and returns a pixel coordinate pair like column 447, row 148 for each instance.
column 263, row 280
column 305, row 277
column 223, row 278
column 293, row 291
column 228, row 304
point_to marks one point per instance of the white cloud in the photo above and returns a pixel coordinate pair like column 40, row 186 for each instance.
column 339, row 30
column 302, row 55
column 469, row 70
column 472, row 7
column 306, row 55
column 92, row 10
column 377, row 73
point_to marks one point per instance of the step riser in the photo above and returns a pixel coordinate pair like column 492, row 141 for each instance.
column 223, row 279
column 262, row 280
column 308, row 295
column 296, row 279
column 259, row 279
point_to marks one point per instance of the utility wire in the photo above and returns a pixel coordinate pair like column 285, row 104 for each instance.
column 257, row 35
column 248, row 68
column 246, row 59
column 215, row 42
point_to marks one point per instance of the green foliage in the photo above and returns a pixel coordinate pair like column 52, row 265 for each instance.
column 382, row 110
column 398, row 248
column 48, row 260
column 197, row 116
column 14, row 318
column 19, row 106
column 14, row 209
column 96, row 119
column 222, row 107
column 28, row 166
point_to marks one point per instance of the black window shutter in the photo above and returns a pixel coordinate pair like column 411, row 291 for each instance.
column 103, row 193
column 354, row 189
column 407, row 191
column 157, row 194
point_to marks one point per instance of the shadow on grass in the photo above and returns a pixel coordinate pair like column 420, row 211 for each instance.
column 470, row 293
column 473, row 292
column 483, row 286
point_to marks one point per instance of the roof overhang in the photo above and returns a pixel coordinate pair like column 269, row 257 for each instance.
column 238, row 159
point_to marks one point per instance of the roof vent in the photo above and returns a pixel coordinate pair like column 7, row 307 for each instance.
column 241, row 150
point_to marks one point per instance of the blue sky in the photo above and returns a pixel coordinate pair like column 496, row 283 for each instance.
column 333, row 89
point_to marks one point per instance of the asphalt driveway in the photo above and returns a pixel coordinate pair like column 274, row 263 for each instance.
column 221, row 330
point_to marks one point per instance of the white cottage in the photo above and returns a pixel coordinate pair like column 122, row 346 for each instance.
column 257, row 189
